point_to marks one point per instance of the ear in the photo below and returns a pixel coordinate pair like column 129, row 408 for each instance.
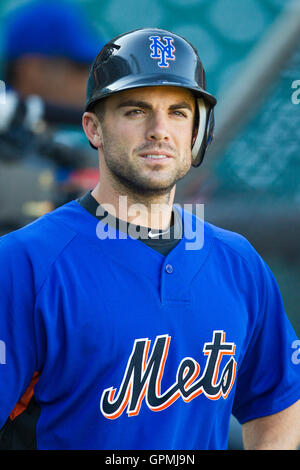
column 92, row 129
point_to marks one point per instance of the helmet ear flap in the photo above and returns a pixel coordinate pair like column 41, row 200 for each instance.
column 205, row 132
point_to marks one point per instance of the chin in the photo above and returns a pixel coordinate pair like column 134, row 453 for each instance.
column 151, row 187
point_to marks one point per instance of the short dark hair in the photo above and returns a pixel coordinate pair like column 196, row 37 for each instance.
column 98, row 108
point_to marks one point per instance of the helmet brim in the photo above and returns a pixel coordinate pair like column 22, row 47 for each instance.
column 128, row 83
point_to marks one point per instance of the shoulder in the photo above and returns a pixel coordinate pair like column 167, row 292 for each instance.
column 221, row 238
column 237, row 256
column 228, row 250
column 50, row 232
column 30, row 250
column 234, row 242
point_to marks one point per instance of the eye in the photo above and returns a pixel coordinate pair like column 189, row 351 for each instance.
column 178, row 113
column 134, row 112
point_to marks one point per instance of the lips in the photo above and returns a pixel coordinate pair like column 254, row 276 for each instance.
column 156, row 154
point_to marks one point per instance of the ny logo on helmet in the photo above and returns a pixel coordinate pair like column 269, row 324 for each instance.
column 162, row 51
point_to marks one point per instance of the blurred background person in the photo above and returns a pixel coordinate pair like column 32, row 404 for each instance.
column 48, row 48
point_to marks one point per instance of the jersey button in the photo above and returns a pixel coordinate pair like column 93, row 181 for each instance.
column 169, row 268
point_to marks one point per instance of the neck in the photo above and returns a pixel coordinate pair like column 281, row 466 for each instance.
column 147, row 211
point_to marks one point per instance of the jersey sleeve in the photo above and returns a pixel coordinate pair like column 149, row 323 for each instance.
column 268, row 377
column 18, row 360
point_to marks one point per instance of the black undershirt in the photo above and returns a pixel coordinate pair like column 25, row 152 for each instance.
column 162, row 242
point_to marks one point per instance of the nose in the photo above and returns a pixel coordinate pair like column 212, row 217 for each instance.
column 157, row 129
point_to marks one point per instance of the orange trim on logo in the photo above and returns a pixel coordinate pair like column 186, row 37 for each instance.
column 125, row 402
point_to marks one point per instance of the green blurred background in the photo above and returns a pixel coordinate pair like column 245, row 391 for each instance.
column 224, row 31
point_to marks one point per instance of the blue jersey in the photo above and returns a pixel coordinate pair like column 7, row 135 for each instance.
column 134, row 350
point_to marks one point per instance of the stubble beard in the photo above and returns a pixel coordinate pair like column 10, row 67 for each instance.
column 127, row 179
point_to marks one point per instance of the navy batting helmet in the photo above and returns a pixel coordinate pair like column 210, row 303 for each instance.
column 153, row 57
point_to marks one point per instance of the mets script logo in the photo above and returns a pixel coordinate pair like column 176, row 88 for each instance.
column 163, row 51
column 143, row 376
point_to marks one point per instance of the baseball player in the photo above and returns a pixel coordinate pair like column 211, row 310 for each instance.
column 128, row 322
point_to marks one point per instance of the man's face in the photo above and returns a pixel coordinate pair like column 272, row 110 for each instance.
column 147, row 134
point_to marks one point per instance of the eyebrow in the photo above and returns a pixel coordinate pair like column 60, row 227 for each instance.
column 145, row 105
